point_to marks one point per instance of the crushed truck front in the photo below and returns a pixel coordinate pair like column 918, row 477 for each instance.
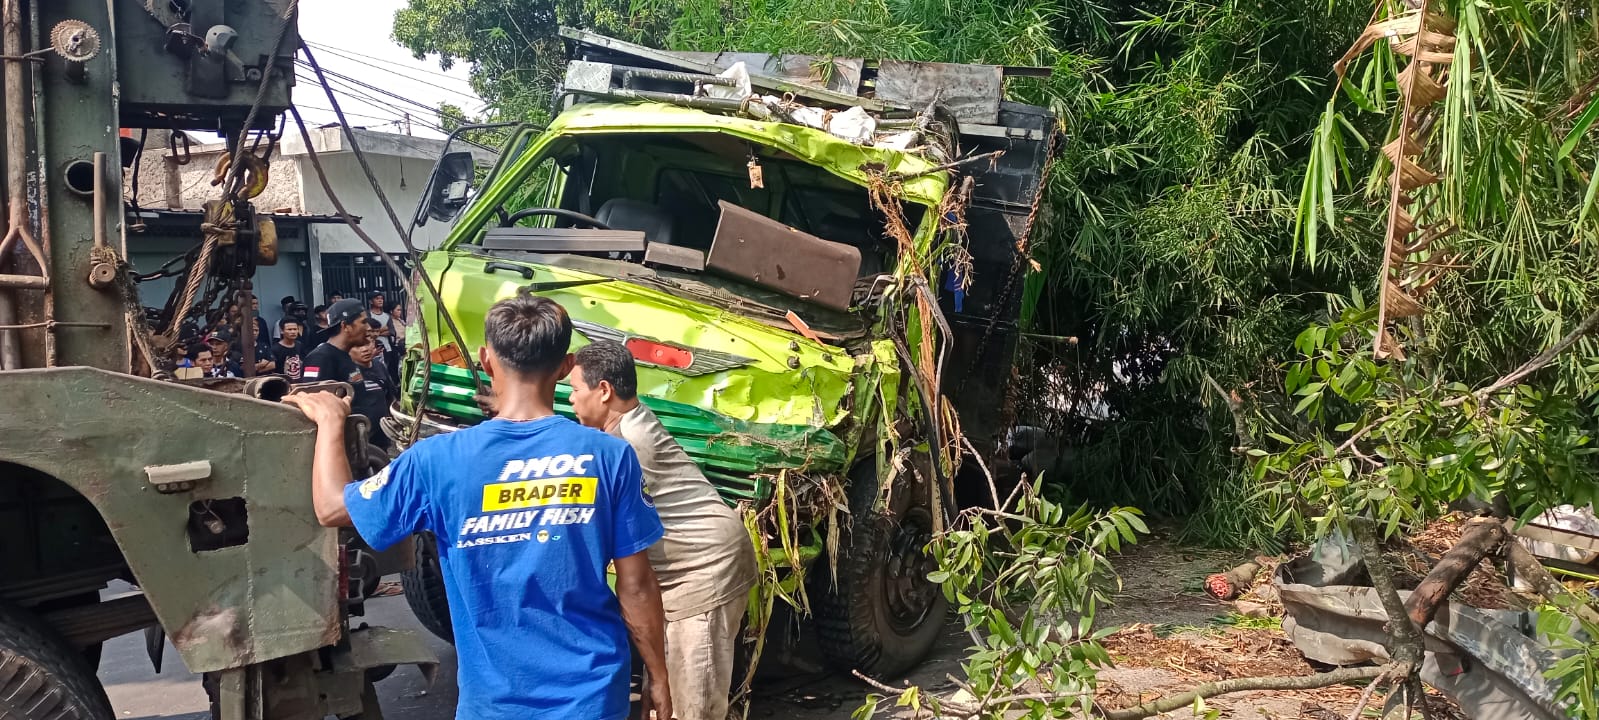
column 777, row 279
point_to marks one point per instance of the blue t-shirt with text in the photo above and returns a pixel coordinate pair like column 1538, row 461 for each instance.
column 528, row 515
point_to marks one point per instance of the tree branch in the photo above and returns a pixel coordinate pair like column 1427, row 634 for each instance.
column 1482, row 537
column 1538, row 362
column 1527, row 566
column 1235, row 405
column 951, row 708
column 1405, row 637
column 1365, row 695
column 1224, row 687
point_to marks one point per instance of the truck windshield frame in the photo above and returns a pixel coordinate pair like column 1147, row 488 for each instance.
column 838, row 157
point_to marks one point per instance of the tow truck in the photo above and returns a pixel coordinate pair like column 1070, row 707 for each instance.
column 193, row 493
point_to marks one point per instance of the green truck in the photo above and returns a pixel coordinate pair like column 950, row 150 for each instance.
column 816, row 262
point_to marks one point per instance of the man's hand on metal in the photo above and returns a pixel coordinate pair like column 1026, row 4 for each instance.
column 324, row 408
column 330, row 470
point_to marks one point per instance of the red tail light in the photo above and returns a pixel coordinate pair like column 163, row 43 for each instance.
column 654, row 353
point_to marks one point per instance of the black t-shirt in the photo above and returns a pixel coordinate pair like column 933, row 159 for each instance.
column 328, row 362
column 290, row 360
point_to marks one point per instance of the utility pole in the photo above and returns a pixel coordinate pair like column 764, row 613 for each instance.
column 407, row 123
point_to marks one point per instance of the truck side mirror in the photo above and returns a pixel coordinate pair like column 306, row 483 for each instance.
column 451, row 186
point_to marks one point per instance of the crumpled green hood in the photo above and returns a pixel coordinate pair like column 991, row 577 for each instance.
column 766, row 388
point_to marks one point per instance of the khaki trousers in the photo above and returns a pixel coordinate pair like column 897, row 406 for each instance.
column 699, row 660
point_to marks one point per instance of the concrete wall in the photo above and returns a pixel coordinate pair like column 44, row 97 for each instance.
column 402, row 180
column 401, row 163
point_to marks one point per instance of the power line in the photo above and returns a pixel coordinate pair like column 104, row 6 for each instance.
column 342, row 51
column 398, row 112
column 387, row 119
column 363, row 97
column 406, row 75
column 350, row 82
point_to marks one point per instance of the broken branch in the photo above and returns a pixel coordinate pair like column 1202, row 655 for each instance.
column 951, row 708
column 1231, row 584
column 1235, row 405
column 1481, row 538
column 1526, row 566
column 1224, row 687
column 1538, row 362
column 952, row 165
column 1365, row 695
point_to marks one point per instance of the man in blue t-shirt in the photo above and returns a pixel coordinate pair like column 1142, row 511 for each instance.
column 528, row 508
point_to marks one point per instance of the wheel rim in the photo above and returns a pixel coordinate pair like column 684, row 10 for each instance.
column 909, row 595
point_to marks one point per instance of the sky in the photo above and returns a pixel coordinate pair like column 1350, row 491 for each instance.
column 354, row 39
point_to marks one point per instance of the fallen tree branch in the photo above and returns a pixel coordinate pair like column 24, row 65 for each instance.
column 995, row 155
column 1371, row 688
column 1224, row 687
column 1405, row 639
column 1482, row 537
column 1526, row 566
column 993, row 489
column 1538, row 362
column 953, row 709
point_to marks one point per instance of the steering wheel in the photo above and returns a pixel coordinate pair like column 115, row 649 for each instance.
column 575, row 217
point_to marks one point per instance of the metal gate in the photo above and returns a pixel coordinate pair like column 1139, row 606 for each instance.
column 358, row 276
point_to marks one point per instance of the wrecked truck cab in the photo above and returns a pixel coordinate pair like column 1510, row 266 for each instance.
column 779, row 287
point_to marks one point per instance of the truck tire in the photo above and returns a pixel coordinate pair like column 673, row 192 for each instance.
column 883, row 615
column 41, row 676
column 424, row 589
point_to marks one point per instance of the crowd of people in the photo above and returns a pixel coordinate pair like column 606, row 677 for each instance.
column 347, row 340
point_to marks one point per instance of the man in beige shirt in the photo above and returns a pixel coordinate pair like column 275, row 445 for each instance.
column 705, row 562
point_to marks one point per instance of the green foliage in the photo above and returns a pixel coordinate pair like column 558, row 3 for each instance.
column 1028, row 583
column 1578, row 672
column 512, row 46
column 1209, row 201
column 1397, row 441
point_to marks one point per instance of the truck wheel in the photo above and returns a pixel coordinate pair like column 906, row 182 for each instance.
column 883, row 615
column 424, row 589
column 41, row 676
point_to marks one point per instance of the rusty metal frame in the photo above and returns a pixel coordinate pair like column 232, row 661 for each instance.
column 273, row 596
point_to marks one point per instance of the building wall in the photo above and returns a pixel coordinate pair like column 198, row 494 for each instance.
column 402, row 165
column 402, row 180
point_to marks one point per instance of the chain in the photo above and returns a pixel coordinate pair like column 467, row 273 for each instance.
column 219, row 219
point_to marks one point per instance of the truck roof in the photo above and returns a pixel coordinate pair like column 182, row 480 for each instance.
column 923, row 181
column 972, row 95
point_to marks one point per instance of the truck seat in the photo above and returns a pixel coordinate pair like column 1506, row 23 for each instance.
column 625, row 214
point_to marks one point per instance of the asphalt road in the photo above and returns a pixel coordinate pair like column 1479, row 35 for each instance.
column 137, row 691
column 793, row 684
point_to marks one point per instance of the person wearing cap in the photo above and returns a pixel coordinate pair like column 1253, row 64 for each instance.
column 221, row 344
column 348, row 330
